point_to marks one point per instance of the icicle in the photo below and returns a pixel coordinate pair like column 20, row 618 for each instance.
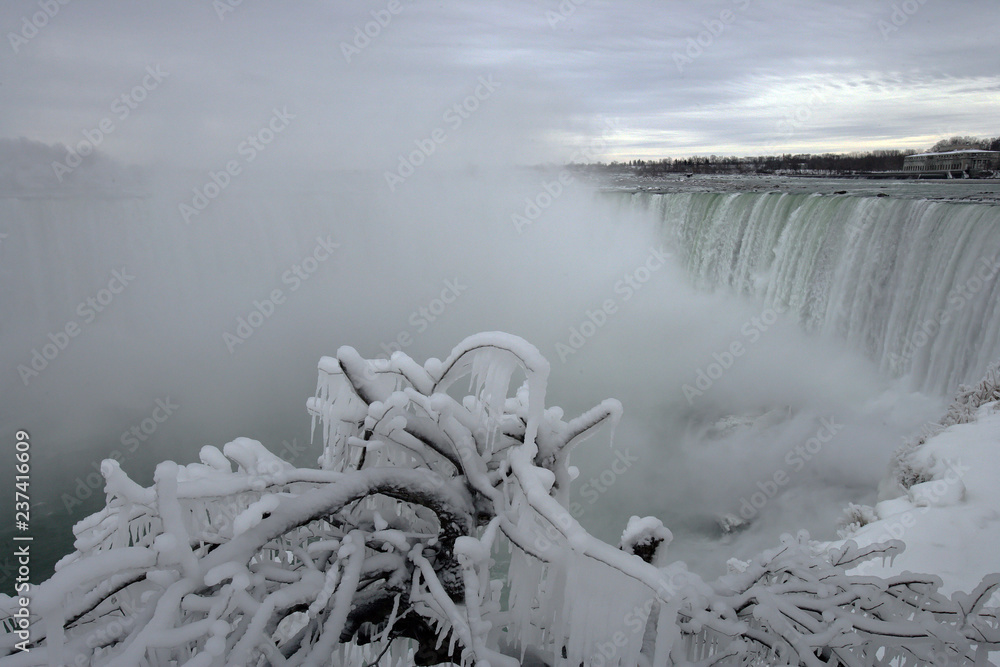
column 495, row 357
column 329, row 585
column 537, row 383
column 384, row 636
column 613, row 629
column 492, row 369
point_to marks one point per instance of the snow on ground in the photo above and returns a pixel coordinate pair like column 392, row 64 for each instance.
column 950, row 524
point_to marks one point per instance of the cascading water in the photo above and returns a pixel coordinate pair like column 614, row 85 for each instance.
column 868, row 270
column 910, row 282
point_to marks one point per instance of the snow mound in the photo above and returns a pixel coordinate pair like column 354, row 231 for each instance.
column 950, row 522
column 647, row 538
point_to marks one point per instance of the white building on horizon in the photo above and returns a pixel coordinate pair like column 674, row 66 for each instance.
column 973, row 162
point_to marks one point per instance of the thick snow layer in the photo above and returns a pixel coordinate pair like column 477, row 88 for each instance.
column 641, row 530
column 951, row 524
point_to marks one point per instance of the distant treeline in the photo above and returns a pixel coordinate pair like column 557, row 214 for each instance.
column 826, row 163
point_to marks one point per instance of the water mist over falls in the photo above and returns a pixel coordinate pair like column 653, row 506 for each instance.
column 357, row 267
column 909, row 282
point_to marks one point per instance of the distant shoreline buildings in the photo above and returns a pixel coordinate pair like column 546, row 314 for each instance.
column 969, row 163
column 958, row 158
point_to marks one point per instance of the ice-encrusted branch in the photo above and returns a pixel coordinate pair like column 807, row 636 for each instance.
column 385, row 553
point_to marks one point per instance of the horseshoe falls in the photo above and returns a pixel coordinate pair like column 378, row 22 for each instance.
column 909, row 282
column 858, row 315
column 829, row 329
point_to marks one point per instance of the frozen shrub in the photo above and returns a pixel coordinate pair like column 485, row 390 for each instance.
column 969, row 399
column 855, row 516
column 905, row 470
column 383, row 555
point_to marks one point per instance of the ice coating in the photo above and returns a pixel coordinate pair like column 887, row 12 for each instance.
column 217, row 560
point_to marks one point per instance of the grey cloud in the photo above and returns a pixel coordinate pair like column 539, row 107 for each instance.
column 559, row 77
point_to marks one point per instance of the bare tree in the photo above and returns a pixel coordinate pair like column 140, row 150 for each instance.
column 958, row 143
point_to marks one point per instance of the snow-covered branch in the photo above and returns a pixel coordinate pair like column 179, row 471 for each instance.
column 389, row 552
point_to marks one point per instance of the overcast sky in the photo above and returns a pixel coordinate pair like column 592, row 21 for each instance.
column 656, row 78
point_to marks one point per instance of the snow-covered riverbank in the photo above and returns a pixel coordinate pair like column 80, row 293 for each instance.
column 942, row 498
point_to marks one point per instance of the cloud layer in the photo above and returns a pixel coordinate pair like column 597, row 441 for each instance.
column 365, row 81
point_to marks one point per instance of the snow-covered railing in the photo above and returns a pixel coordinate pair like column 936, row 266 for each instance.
column 388, row 552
